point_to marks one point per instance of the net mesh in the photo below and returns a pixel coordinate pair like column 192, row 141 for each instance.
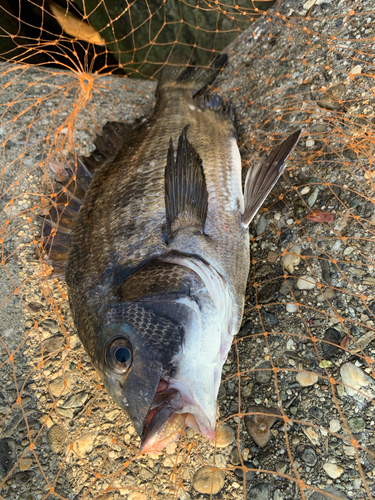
column 296, row 405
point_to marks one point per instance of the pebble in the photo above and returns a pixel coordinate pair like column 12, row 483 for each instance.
column 137, row 495
column 286, row 236
column 312, row 435
column 281, row 467
column 306, row 379
column 225, row 436
column 319, row 495
column 333, row 470
column 356, row 70
column 26, row 495
column 329, row 294
column 50, row 325
column 52, row 344
column 354, row 378
column 292, row 308
column 305, row 190
column 65, row 412
column 308, row 455
column 334, row 337
column 220, row 461
column 264, row 373
column 35, row 306
column 262, row 224
column 261, row 491
column 306, row 283
column 8, row 456
column 56, row 437
column 290, row 261
column 269, row 318
column 184, row 495
column 349, row 451
column 250, row 474
column 206, row 480
column 357, row 424
column 310, row 143
column 246, row 328
column 24, row 477
column 334, row 425
column 57, row 386
column 311, row 3
column 76, row 401
column 313, row 197
column 25, row 464
column 259, row 426
column 234, row 456
column 85, row 443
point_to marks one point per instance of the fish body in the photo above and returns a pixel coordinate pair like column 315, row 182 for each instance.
column 158, row 258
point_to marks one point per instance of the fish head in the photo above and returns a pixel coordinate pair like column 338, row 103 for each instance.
column 135, row 355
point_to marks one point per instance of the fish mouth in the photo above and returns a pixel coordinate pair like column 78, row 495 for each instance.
column 156, row 431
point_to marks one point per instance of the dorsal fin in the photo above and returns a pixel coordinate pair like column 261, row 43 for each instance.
column 261, row 179
column 186, row 196
column 59, row 221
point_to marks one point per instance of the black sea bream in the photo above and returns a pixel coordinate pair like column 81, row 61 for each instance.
column 158, row 253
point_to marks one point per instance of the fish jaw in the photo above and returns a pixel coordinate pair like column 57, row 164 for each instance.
column 135, row 395
column 186, row 403
column 190, row 405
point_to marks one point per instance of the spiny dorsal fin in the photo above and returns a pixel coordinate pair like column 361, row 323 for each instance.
column 59, row 221
column 186, row 196
column 261, row 179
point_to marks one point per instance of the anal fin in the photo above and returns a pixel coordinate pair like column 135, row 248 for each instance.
column 261, row 179
column 186, row 195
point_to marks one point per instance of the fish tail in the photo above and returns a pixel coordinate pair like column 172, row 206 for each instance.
column 194, row 77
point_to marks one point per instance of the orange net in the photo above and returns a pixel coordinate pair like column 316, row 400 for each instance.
column 296, row 405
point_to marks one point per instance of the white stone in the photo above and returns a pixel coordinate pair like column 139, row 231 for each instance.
column 290, row 344
column 291, row 308
column 356, row 70
column 306, row 283
column 305, row 190
column 313, row 197
column 310, row 143
column 333, row 470
column 334, row 425
column 349, row 451
column 85, row 443
column 307, row 5
column 290, row 261
column 305, row 379
column 354, row 379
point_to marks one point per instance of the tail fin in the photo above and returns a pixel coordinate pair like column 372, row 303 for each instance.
column 195, row 77
column 261, row 179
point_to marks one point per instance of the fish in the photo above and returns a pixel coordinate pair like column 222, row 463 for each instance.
column 153, row 242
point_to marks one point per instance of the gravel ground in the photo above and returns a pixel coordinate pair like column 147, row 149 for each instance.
column 296, row 404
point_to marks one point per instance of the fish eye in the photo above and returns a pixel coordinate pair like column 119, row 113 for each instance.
column 119, row 355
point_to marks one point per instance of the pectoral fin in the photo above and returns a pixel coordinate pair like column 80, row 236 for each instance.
column 186, row 196
column 261, row 179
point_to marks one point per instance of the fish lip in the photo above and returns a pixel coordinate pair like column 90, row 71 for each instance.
column 164, row 405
